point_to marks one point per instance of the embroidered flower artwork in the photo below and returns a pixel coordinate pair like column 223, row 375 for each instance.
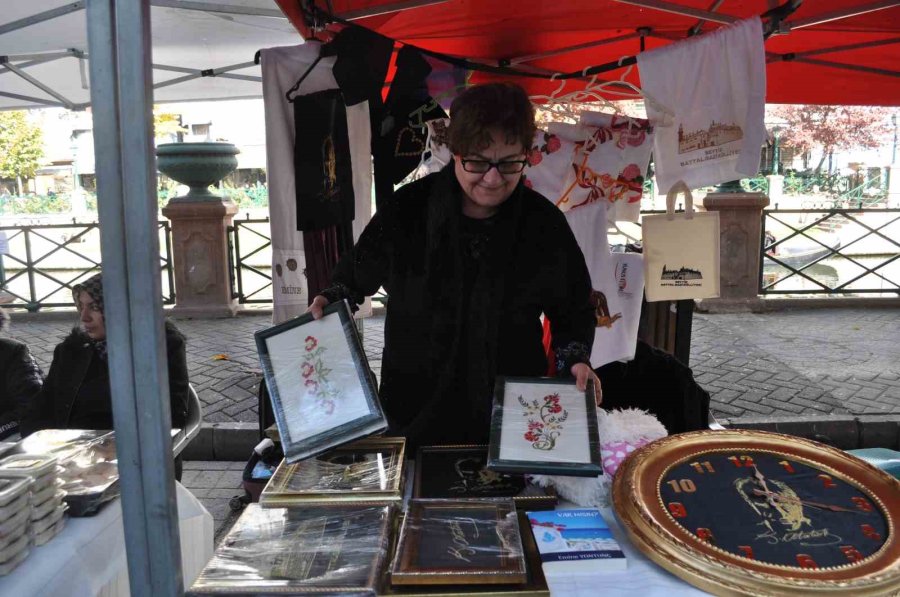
column 315, row 376
column 550, row 145
column 545, row 418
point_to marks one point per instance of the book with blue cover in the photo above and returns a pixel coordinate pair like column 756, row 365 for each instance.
column 575, row 542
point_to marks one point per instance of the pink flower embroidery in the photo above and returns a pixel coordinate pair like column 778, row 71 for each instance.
column 534, row 157
column 307, row 369
column 545, row 423
column 313, row 385
column 311, row 343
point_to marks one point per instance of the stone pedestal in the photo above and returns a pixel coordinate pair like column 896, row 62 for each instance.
column 200, row 254
column 740, row 223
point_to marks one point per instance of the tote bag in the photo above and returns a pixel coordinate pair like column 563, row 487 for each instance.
column 681, row 251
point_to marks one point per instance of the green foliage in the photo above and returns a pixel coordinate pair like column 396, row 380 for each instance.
column 36, row 204
column 21, row 145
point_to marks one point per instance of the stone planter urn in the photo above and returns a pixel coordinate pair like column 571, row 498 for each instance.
column 200, row 222
column 197, row 165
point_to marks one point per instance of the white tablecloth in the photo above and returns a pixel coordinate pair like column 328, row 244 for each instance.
column 88, row 557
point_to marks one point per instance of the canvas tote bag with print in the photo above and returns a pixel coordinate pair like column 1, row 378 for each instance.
column 681, row 251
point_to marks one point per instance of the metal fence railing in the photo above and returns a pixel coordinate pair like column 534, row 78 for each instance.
column 45, row 260
column 250, row 253
column 830, row 252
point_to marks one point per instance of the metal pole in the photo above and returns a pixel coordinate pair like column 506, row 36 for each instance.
column 121, row 96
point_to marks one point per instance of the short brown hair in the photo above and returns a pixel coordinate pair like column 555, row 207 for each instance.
column 481, row 109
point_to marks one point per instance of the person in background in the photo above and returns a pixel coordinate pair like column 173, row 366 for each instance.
column 470, row 259
column 20, row 381
column 76, row 393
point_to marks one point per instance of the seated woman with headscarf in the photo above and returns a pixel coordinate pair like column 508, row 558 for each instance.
column 76, row 393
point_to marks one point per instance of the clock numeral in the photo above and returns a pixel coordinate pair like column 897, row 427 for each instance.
column 862, row 504
column 703, row 467
column 685, row 485
column 677, row 510
column 870, row 532
column 705, row 535
column 827, row 482
column 787, row 466
column 748, row 551
column 851, row 553
column 743, row 460
column 804, row 561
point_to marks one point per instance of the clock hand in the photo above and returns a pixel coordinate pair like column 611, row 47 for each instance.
column 780, row 498
column 762, row 481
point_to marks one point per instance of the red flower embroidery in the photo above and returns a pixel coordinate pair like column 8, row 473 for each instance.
column 534, row 157
column 527, row 183
column 313, row 385
column 554, row 398
column 531, row 437
column 554, row 408
column 311, row 343
column 307, row 369
column 631, row 172
column 553, row 144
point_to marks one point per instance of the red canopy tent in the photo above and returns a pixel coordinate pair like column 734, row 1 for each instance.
column 823, row 52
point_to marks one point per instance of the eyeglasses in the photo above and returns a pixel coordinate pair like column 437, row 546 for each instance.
column 483, row 166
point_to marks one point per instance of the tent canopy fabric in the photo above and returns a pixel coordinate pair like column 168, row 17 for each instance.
column 825, row 51
column 42, row 43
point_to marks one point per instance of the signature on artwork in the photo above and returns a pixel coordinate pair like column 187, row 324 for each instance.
column 461, row 548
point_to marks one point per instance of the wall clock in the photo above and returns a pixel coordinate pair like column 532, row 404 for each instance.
column 751, row 512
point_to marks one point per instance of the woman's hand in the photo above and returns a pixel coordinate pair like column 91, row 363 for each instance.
column 582, row 373
column 319, row 303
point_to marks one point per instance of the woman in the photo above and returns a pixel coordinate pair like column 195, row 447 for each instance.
column 470, row 259
column 20, row 381
column 76, row 393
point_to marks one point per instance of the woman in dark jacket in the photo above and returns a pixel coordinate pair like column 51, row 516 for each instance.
column 20, row 381
column 76, row 393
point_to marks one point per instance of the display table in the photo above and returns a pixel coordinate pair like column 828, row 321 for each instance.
column 88, row 557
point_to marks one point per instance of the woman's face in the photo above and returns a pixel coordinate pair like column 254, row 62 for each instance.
column 484, row 193
column 91, row 317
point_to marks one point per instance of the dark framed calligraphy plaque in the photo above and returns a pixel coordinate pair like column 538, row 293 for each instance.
column 455, row 542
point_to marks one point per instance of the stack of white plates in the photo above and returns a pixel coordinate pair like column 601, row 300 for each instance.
column 15, row 519
column 46, row 499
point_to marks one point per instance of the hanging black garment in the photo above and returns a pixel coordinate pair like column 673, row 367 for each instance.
column 322, row 170
column 361, row 65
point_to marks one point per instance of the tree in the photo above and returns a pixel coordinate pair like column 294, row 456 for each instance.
column 832, row 128
column 21, row 147
column 166, row 124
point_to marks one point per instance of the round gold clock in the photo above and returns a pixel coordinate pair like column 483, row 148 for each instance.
column 751, row 512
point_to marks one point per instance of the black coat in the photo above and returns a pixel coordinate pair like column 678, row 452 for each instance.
column 20, row 381
column 56, row 405
column 447, row 336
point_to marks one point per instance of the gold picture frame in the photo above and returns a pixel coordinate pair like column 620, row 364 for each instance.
column 783, row 516
column 460, row 471
column 366, row 471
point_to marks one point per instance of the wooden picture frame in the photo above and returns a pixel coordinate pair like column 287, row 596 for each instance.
column 319, row 380
column 366, row 471
column 459, row 542
column 460, row 472
column 543, row 425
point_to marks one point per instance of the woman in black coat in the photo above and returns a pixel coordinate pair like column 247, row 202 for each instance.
column 20, row 381
column 76, row 393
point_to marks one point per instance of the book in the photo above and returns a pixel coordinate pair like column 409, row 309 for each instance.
column 575, row 542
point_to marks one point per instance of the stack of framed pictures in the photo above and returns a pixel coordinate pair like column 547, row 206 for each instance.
column 544, row 426
column 459, row 542
column 313, row 551
column 460, row 472
column 368, row 470
column 322, row 390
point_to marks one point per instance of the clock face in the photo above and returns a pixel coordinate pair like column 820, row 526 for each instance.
column 740, row 511
column 773, row 508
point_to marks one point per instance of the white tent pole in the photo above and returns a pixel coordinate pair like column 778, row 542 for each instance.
column 41, row 17
column 373, row 11
column 678, row 9
column 62, row 99
column 839, row 14
column 120, row 46
column 213, row 72
column 220, row 8
column 37, row 100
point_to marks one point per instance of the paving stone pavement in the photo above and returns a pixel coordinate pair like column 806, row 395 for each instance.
column 789, row 363
column 214, row 483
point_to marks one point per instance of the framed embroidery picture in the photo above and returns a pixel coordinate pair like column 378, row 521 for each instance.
column 322, row 390
column 460, row 472
column 368, row 470
column 544, row 425
column 459, row 542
